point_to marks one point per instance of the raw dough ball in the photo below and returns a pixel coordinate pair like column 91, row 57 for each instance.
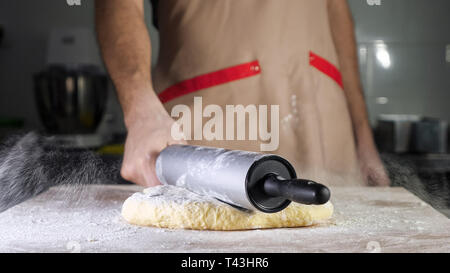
column 174, row 207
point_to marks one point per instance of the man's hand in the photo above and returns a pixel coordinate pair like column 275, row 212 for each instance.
column 372, row 167
column 149, row 132
column 342, row 29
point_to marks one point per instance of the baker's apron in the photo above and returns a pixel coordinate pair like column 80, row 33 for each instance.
column 261, row 52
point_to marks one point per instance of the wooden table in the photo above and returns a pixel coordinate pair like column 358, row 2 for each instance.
column 87, row 219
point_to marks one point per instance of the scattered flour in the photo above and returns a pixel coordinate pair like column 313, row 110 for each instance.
column 87, row 219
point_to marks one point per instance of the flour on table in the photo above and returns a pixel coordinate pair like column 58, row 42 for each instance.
column 174, row 207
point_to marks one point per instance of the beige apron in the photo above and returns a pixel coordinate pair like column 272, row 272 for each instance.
column 202, row 36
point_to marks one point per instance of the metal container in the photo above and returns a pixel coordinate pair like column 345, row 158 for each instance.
column 430, row 136
column 71, row 100
column 393, row 132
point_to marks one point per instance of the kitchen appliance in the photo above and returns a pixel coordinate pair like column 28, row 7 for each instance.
column 71, row 101
column 71, row 91
column 393, row 132
column 411, row 133
column 247, row 180
column 430, row 135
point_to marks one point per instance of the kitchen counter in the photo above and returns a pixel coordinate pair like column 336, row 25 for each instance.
column 423, row 163
column 87, row 219
column 425, row 175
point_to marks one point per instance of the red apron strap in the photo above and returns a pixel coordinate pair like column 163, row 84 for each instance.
column 326, row 67
column 210, row 79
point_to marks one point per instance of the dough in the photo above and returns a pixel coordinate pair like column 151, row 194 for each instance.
column 175, row 207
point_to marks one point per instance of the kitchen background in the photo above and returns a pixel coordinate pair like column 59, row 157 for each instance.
column 404, row 49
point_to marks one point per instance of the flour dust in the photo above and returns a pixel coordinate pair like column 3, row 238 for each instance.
column 30, row 164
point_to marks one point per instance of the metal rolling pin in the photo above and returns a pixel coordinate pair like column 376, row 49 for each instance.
column 249, row 180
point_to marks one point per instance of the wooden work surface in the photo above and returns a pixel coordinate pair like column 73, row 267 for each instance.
column 87, row 219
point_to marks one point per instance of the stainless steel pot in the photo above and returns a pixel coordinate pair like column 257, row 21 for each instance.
column 430, row 135
column 411, row 133
column 71, row 101
column 393, row 132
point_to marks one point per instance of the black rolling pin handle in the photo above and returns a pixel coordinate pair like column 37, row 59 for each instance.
column 297, row 190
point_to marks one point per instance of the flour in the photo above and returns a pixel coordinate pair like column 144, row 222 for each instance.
column 87, row 219
column 31, row 164
column 171, row 194
column 64, row 216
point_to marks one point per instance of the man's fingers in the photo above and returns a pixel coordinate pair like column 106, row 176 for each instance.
column 173, row 142
column 150, row 170
column 127, row 172
column 378, row 177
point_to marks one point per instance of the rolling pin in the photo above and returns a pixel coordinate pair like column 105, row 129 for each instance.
column 248, row 180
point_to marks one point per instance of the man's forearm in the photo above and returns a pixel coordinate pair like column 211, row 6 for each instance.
column 341, row 23
column 126, row 50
